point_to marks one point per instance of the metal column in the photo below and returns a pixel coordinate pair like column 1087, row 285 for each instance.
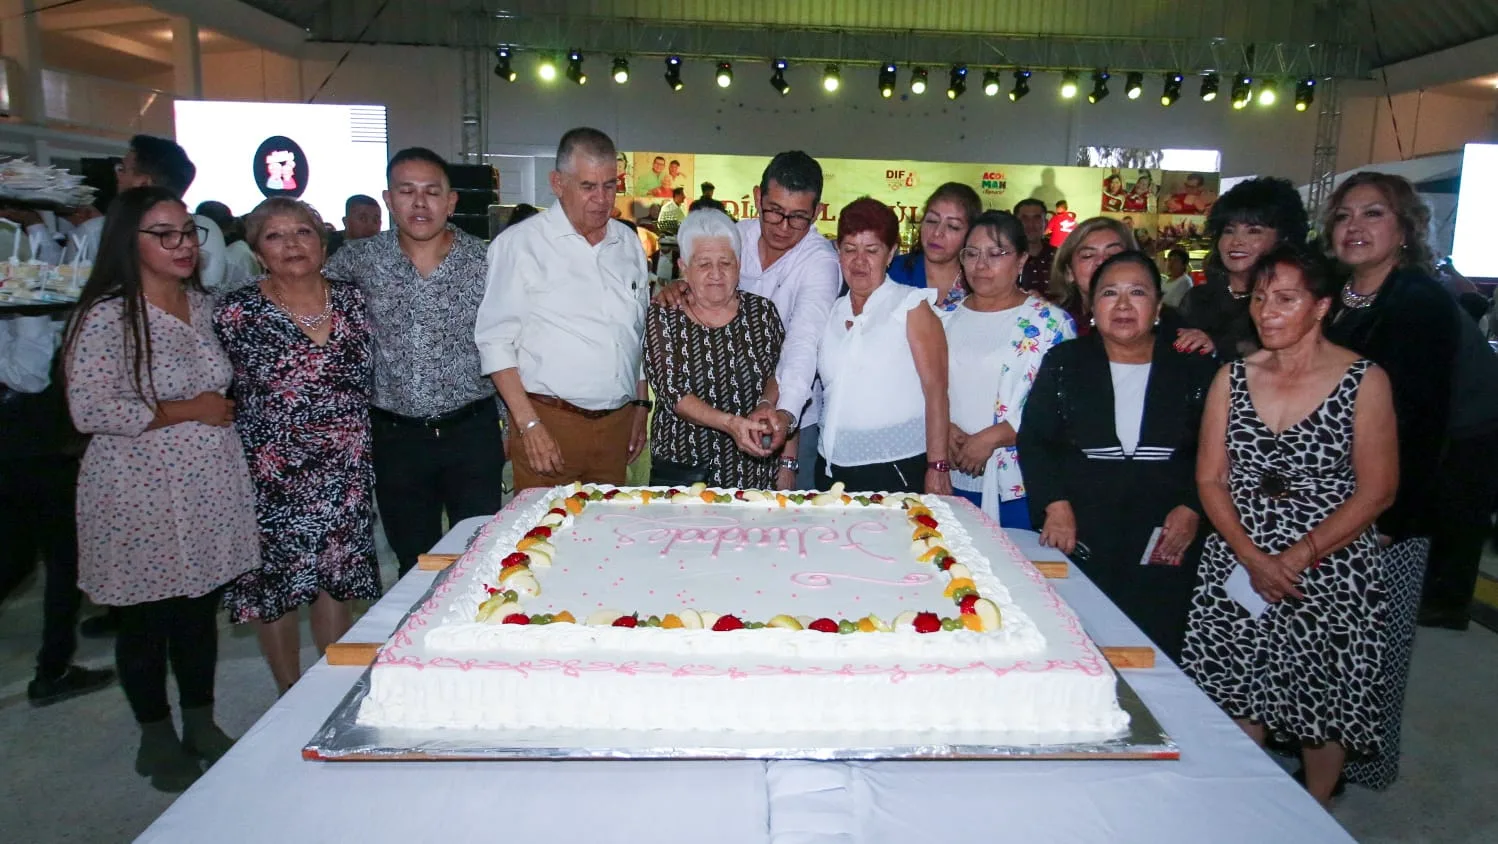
column 475, row 74
column 1324, row 157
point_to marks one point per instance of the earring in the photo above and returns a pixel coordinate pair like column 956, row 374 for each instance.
column 1092, row 321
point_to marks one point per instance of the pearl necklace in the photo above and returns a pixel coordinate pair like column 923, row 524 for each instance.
column 1355, row 300
column 312, row 322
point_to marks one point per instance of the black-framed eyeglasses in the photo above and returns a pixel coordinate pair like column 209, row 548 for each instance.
column 775, row 217
column 172, row 238
column 971, row 255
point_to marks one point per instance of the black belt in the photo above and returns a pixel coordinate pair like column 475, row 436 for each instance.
column 437, row 422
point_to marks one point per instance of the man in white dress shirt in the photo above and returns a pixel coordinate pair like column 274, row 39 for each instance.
column 562, row 325
column 163, row 163
column 789, row 262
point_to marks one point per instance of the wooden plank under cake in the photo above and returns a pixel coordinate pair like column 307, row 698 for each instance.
column 1052, row 569
column 435, row 562
column 360, row 654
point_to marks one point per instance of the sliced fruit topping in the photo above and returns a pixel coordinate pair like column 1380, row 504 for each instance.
column 783, row 622
column 837, row 489
column 525, row 583
column 574, row 506
column 926, row 622
column 595, row 495
column 739, row 495
column 698, row 488
column 646, row 495
column 965, row 606
column 672, row 621
column 515, row 559
column 824, row 499
column 973, row 623
column 904, row 621
column 876, row 498
column 945, row 562
column 957, row 570
column 708, row 619
column 924, row 519
column 988, row 615
column 823, row 625
column 754, row 495
column 727, row 622
column 603, row 617
column 510, row 571
column 627, row 621
column 781, row 499
column 563, row 617
column 691, row 619
column 847, row 626
column 611, row 495
column 496, row 608
column 517, row 618
column 958, row 583
column 710, row 498
column 921, row 532
column 880, row 626
column 539, row 556
column 539, row 532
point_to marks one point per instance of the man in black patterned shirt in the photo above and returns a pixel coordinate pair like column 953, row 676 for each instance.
column 433, row 413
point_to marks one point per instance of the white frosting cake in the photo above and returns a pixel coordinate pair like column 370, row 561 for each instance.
column 728, row 610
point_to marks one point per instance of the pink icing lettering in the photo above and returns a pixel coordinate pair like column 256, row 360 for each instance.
column 823, row 579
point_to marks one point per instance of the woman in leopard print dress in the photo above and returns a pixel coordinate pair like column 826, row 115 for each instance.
column 1296, row 461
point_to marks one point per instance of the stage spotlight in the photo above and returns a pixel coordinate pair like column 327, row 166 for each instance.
column 1068, row 84
column 1172, row 90
column 1268, row 92
column 1021, row 86
column 777, row 79
column 503, row 68
column 621, row 70
column 918, row 81
column 575, row 68
column 725, row 74
column 547, row 70
column 1134, row 86
column 673, row 72
column 1305, row 93
column 1210, row 82
column 830, row 79
column 957, row 81
column 990, row 83
column 1243, row 90
column 888, row 75
column 1099, row 86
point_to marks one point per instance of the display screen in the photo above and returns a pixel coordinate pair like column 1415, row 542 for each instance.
column 1477, row 213
column 245, row 152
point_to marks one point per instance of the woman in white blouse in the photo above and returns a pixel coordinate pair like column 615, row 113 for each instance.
column 995, row 341
column 883, row 363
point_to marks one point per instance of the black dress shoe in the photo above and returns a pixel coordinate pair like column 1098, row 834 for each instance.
column 73, row 682
column 1443, row 619
column 1299, row 775
column 100, row 626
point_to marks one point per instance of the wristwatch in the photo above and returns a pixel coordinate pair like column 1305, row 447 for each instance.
column 790, row 463
column 645, row 403
column 941, row 466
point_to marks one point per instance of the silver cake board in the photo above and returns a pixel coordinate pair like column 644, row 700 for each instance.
column 343, row 739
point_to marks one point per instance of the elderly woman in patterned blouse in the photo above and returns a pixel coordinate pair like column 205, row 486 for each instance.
column 300, row 346
column 710, row 364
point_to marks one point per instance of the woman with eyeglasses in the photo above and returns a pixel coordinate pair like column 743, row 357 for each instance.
column 996, row 339
column 948, row 214
column 300, row 346
column 1109, row 447
column 166, row 513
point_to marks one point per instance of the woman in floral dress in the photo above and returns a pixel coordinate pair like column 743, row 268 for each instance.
column 165, row 510
column 995, row 341
column 301, row 352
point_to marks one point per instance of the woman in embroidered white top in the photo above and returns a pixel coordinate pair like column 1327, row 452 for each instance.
column 883, row 363
column 995, row 341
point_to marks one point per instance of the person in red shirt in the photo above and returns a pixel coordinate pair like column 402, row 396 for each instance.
column 1061, row 224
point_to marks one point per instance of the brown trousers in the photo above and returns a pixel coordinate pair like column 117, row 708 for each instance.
column 593, row 450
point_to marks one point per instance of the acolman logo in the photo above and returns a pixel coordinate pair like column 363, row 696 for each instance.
column 281, row 168
column 897, row 179
column 994, row 182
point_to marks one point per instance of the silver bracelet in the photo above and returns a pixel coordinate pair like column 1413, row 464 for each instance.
column 527, row 426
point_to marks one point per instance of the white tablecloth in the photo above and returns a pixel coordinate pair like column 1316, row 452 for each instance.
column 1222, row 790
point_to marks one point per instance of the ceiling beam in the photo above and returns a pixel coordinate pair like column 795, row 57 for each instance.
column 241, row 21
column 101, row 19
column 1443, row 67
column 121, row 44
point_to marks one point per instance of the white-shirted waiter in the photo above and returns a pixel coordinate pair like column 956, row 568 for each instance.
column 562, row 324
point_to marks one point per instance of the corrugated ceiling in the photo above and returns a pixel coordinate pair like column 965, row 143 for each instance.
column 1405, row 28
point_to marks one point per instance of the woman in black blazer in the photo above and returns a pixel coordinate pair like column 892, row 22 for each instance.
column 1111, row 427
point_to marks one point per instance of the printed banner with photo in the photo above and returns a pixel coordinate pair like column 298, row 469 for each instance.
column 1151, row 201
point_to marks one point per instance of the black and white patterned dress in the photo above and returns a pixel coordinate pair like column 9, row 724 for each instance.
column 302, row 410
column 1309, row 668
column 727, row 368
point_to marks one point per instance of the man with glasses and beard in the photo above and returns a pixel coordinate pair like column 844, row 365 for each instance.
column 788, row 262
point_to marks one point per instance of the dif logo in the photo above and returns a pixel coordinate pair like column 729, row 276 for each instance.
column 897, row 179
column 994, row 182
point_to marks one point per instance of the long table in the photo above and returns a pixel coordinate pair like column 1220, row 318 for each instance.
column 1223, row 789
